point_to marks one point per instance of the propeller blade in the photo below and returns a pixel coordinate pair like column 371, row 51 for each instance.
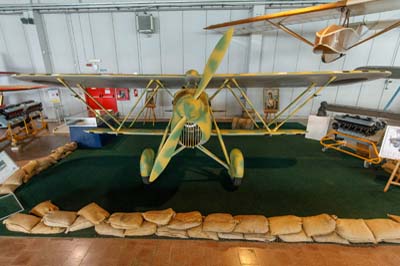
column 166, row 152
column 214, row 61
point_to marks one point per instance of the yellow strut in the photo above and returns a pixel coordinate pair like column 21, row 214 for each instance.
column 100, row 105
column 304, row 103
column 251, row 104
column 65, row 84
column 134, row 106
column 291, row 104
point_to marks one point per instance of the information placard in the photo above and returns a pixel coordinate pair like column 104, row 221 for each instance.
column 7, row 166
column 390, row 148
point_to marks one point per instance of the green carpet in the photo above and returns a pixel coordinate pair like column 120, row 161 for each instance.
column 283, row 175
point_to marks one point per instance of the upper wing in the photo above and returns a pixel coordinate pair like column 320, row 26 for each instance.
column 299, row 79
column 393, row 69
column 277, row 79
column 104, row 80
column 302, row 15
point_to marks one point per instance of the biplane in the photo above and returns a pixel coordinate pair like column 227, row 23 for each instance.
column 193, row 122
column 333, row 41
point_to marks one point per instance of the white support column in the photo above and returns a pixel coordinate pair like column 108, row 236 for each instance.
column 254, row 61
column 39, row 37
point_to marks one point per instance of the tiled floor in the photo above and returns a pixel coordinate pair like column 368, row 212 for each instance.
column 141, row 252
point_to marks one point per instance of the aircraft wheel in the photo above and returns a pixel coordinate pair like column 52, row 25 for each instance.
column 146, row 164
column 236, row 181
column 145, row 180
column 236, row 168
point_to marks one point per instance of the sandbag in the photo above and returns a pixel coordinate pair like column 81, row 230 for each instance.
column 71, row 146
column 168, row 232
column 331, row 238
column 384, row 229
column 79, row 224
column 30, row 167
column 56, row 155
column 43, row 208
column 59, row 218
column 120, row 220
column 60, row 150
column 66, row 154
column 7, row 189
column 251, row 224
column 43, row 229
column 266, row 237
column 219, row 222
column 185, row 220
column 16, row 178
column 354, row 230
column 393, row 241
column 231, row 236
column 161, row 217
column 44, row 163
column 20, row 222
column 146, row 229
column 94, row 213
column 106, row 229
column 394, row 217
column 296, row 237
column 283, row 225
column 197, row 232
column 322, row 224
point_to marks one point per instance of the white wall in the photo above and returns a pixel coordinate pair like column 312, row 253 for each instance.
column 179, row 44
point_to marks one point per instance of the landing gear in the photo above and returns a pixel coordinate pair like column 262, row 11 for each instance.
column 146, row 164
column 236, row 168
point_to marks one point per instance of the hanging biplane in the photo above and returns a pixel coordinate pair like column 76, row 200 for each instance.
column 192, row 121
column 333, row 41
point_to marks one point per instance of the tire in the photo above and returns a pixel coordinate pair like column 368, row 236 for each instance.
column 145, row 180
column 236, row 182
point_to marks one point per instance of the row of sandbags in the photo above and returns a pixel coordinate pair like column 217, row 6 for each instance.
column 33, row 167
column 46, row 218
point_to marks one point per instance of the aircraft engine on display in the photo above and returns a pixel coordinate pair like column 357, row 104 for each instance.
column 355, row 124
column 18, row 114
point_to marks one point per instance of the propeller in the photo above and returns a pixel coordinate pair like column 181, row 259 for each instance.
column 189, row 108
column 214, row 60
column 168, row 149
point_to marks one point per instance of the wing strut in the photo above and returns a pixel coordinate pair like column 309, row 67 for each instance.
column 136, row 103
column 227, row 85
column 309, row 88
column 98, row 104
column 66, row 85
column 157, row 87
column 394, row 25
column 291, row 32
column 304, row 103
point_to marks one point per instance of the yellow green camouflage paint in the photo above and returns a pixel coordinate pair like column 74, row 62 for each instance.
column 146, row 162
column 236, row 168
column 166, row 152
column 214, row 61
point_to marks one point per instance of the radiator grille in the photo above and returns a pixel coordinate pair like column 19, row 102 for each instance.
column 191, row 135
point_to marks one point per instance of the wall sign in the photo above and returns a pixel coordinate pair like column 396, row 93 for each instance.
column 122, row 94
column 54, row 95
